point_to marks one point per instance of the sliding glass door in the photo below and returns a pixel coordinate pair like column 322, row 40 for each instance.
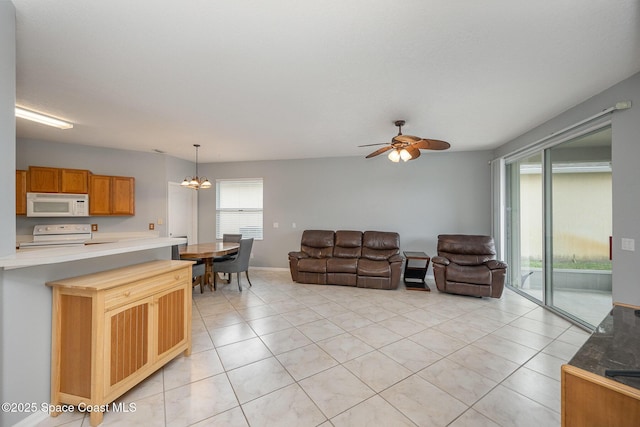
column 559, row 225
column 524, row 226
column 581, row 225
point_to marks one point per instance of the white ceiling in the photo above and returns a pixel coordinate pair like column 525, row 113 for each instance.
column 282, row 79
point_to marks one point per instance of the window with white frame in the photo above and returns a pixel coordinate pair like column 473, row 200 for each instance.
column 239, row 207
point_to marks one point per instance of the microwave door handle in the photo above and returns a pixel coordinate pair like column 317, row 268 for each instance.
column 73, row 208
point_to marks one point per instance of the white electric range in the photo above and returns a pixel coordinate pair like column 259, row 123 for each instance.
column 58, row 235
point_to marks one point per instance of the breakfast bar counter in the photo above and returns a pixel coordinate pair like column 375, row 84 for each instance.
column 26, row 307
column 34, row 257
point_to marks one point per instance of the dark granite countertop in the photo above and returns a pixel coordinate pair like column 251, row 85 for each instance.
column 615, row 344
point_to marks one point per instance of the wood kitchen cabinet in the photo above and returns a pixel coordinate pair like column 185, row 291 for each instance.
column 74, row 181
column 21, row 192
column 111, row 330
column 111, row 195
column 56, row 180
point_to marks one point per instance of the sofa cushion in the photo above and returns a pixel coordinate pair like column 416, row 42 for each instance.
column 348, row 244
column 342, row 265
column 313, row 265
column 369, row 267
column 380, row 245
column 317, row 243
column 476, row 274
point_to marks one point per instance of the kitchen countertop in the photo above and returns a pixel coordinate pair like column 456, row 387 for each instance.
column 42, row 256
column 613, row 345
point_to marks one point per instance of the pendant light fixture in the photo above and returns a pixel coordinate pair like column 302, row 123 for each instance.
column 195, row 182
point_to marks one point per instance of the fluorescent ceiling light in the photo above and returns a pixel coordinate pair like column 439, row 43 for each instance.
column 41, row 118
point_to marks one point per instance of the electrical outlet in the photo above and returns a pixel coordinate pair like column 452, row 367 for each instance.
column 628, row 244
column 94, row 227
column 152, row 226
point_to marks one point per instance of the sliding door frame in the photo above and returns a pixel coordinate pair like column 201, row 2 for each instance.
column 499, row 195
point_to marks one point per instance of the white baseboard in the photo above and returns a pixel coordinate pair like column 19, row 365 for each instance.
column 270, row 268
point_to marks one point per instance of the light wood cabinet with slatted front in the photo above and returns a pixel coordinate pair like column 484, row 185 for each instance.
column 111, row 330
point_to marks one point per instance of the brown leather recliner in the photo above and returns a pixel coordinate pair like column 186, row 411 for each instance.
column 309, row 265
column 467, row 265
column 342, row 268
column 381, row 264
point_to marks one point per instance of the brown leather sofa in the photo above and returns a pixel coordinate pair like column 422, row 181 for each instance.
column 467, row 265
column 351, row 258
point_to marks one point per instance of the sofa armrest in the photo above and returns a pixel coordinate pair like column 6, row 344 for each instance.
column 395, row 258
column 298, row 255
column 440, row 260
column 496, row 265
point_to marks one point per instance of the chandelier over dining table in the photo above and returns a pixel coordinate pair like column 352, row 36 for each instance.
column 195, row 181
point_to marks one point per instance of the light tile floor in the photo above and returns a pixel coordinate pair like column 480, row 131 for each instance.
column 287, row 354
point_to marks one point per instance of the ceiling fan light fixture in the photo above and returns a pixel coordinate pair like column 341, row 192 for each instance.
column 406, row 147
column 405, row 155
column 195, row 182
column 394, row 156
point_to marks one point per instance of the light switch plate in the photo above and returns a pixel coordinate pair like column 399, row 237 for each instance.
column 628, row 244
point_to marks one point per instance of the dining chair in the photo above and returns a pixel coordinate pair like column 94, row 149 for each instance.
column 197, row 269
column 228, row 238
column 236, row 265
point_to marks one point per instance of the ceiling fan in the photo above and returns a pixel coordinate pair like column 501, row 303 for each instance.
column 407, row 147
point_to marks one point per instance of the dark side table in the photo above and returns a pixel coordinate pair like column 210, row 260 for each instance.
column 415, row 269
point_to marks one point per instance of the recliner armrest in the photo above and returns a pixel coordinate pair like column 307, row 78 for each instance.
column 298, row 255
column 496, row 264
column 440, row 260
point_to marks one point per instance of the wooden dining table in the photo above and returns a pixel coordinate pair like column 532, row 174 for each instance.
column 207, row 252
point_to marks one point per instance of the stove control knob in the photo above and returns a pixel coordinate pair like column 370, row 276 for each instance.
column 48, row 228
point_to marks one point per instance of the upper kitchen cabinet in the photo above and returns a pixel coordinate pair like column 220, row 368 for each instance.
column 21, row 192
column 74, row 181
column 111, row 195
column 56, row 180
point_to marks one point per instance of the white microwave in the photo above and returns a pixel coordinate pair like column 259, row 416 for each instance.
column 57, row 204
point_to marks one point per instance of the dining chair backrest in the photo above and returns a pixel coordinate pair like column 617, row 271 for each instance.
column 240, row 262
column 175, row 249
column 233, row 238
column 198, row 268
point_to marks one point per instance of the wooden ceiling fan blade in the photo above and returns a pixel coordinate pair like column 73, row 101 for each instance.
column 431, row 144
column 371, row 145
column 379, row 151
column 406, row 139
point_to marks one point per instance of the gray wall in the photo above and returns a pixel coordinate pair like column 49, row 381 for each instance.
column 419, row 199
column 7, row 159
column 437, row 193
column 7, row 125
column 625, row 153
